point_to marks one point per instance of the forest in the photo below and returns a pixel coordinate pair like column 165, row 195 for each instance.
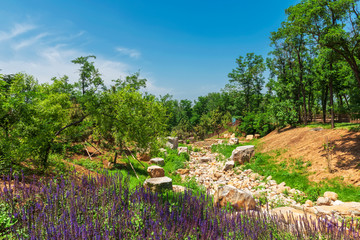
column 311, row 74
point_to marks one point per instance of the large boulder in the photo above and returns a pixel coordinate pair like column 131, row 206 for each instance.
column 157, row 161
column 158, row 184
column 237, row 198
column 242, row 154
column 172, row 142
column 156, row 171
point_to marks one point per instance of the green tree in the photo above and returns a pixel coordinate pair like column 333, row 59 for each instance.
column 334, row 24
column 248, row 76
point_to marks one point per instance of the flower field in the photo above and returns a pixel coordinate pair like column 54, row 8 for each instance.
column 103, row 207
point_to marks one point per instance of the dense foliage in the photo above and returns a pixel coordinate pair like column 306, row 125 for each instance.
column 38, row 119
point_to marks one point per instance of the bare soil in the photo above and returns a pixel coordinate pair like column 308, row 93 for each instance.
column 308, row 144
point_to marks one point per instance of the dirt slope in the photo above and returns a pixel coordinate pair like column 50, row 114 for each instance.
column 308, row 144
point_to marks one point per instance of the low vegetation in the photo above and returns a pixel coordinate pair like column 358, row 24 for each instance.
column 104, row 207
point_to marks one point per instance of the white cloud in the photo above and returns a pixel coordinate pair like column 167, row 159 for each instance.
column 56, row 62
column 133, row 53
column 30, row 41
column 52, row 58
column 18, row 29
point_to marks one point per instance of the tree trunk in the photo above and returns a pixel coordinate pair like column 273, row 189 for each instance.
column 324, row 102
column 44, row 159
column 302, row 87
column 304, row 104
column 331, row 98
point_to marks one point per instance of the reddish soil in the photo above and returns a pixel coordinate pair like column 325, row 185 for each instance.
column 308, row 144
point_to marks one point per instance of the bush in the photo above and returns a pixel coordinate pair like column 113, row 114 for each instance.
column 256, row 123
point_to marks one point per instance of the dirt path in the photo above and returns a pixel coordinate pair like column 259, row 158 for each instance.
column 308, row 144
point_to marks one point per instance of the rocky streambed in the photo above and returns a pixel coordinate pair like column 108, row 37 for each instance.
column 235, row 185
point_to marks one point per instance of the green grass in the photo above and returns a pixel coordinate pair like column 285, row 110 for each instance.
column 347, row 126
column 173, row 162
column 295, row 175
column 92, row 165
column 226, row 150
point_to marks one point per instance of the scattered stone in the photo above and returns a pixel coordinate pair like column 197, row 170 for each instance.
column 157, row 161
column 172, row 142
column 242, row 154
column 220, row 141
column 331, row 195
column 178, row 188
column 218, row 175
column 229, row 165
column 159, row 184
column 183, row 171
column 249, row 137
column 233, row 141
column 309, row 203
column 269, row 178
column 237, row 198
column 323, row 201
column 182, row 150
column 272, row 182
column 254, row 176
column 205, row 159
column 163, row 150
column 337, row 203
column 143, row 157
column 257, row 136
column 156, row 171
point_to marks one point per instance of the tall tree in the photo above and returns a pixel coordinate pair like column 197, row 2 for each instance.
column 248, row 75
column 334, row 24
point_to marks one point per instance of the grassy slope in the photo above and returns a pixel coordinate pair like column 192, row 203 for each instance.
column 293, row 173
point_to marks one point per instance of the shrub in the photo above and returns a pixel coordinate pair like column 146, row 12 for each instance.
column 256, row 123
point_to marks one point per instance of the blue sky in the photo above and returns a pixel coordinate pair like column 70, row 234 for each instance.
column 185, row 48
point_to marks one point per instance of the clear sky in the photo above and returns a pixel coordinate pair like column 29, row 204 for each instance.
column 185, row 48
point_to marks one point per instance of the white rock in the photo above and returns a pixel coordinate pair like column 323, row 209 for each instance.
column 229, row 165
column 157, row 161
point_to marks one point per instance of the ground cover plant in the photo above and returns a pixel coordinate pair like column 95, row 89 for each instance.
column 344, row 125
column 104, row 207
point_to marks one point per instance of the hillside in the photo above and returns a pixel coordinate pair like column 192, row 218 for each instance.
column 308, row 145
